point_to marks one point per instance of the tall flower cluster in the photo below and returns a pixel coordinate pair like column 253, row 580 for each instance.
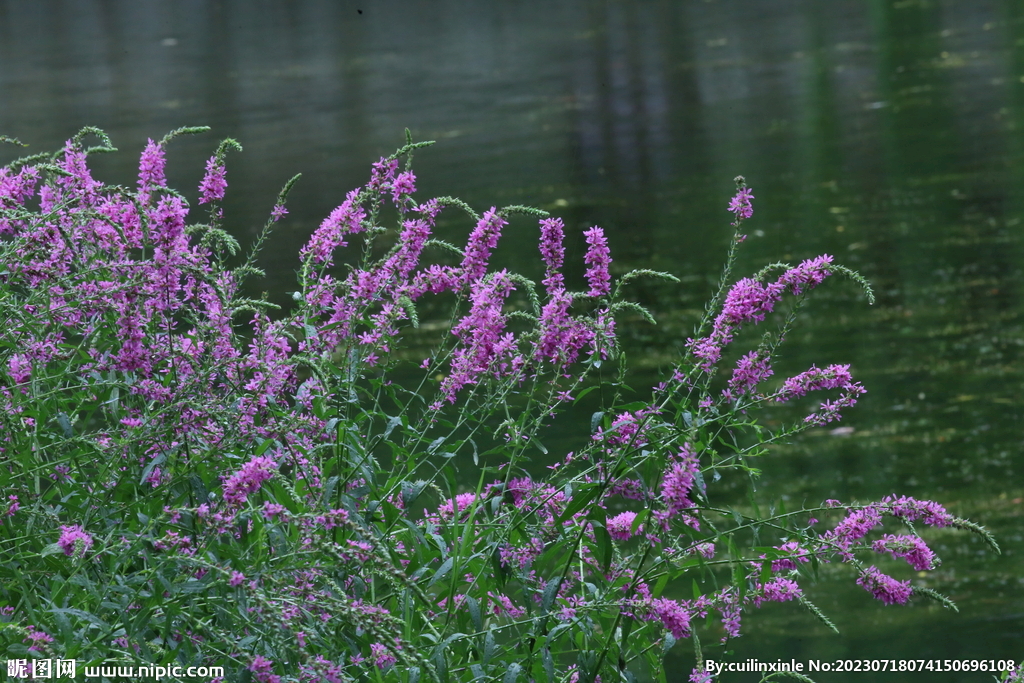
column 552, row 250
column 815, row 379
column 486, row 347
column 598, row 259
column 74, row 541
column 482, row 242
column 213, row 185
column 740, row 204
column 884, row 587
column 750, row 301
column 248, row 479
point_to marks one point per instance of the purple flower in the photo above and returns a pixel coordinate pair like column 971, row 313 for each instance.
column 261, row 667
column 885, row 588
column 37, row 638
column 798, row 555
column 483, row 343
column 237, row 578
column 815, row 379
column 405, row 184
column 740, row 204
column 552, row 250
column 911, row 548
column 415, row 233
column 345, row 219
column 674, row 617
column 278, row 212
column 383, row 174
column 750, row 371
column 213, row 184
column 778, row 589
column 732, row 617
column 809, row 274
column 74, row 541
column 620, row 527
column 598, row 259
column 248, row 479
column 678, row 481
column 700, row 676
column 12, row 507
column 19, row 367
column 856, row 526
column 482, row 242
column 151, row 170
column 749, row 301
column 561, row 337
column 381, row 657
column 912, row 510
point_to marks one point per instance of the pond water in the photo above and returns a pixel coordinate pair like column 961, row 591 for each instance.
column 887, row 133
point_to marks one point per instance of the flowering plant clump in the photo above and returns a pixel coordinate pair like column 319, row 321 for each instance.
column 311, row 500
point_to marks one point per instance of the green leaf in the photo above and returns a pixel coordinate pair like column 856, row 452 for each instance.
column 474, row 612
column 584, row 495
column 549, row 664
column 91, row 618
column 65, row 424
column 411, row 491
column 445, row 567
column 392, row 423
column 512, row 673
column 51, row 549
column 489, row 644
column 550, row 593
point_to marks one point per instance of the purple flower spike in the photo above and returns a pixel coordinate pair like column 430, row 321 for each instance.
column 248, row 479
column 673, row 616
column 213, row 185
column 598, row 259
column 740, row 204
column 911, row 548
column 552, row 234
column 151, row 170
column 482, row 242
column 885, row 588
column 74, row 541
column 620, row 527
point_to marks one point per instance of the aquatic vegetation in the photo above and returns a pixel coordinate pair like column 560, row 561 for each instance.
column 300, row 499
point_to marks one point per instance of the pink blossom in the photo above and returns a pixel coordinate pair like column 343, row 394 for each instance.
column 213, row 184
column 248, row 479
column 912, row 510
column 778, row 589
column 620, row 527
column 598, row 259
column 740, row 204
column 885, row 588
column 151, row 170
column 911, row 548
column 674, row 617
column 482, row 242
column 678, row 481
column 74, row 541
column 552, row 251
column 382, row 658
